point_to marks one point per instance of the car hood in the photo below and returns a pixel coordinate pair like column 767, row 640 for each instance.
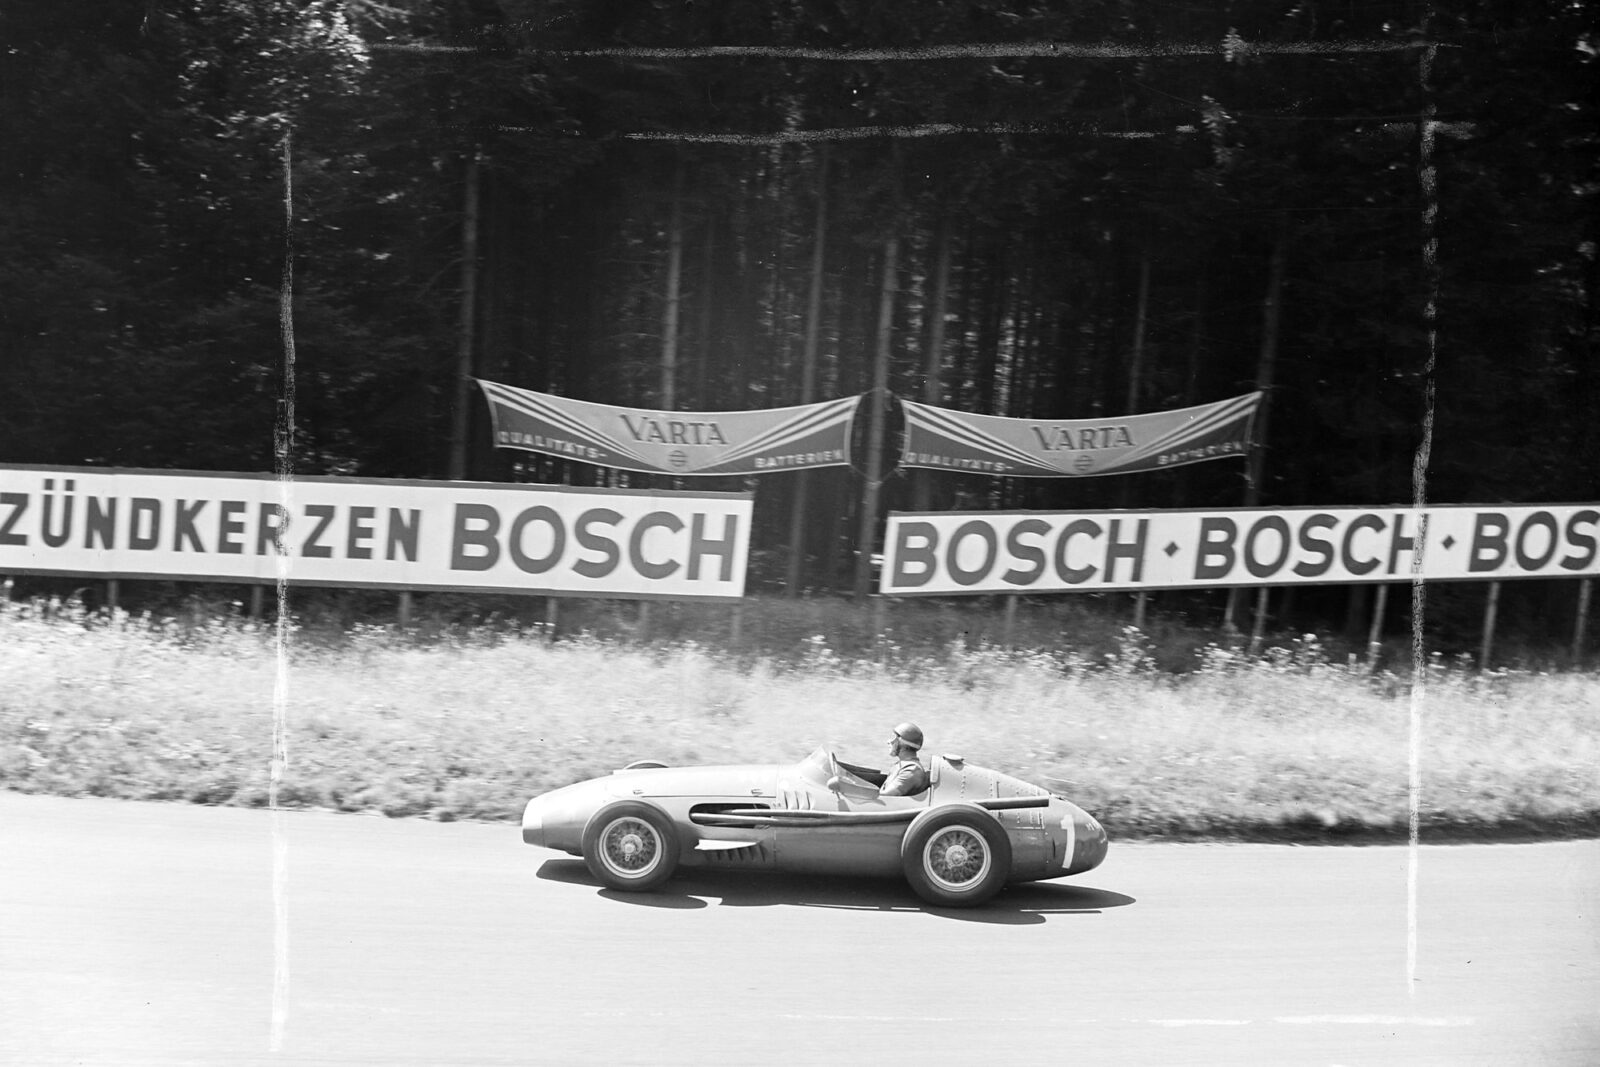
column 740, row 780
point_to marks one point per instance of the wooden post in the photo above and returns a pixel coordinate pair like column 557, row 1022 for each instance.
column 112, row 589
column 1585, row 590
column 1010, row 621
column 1139, row 600
column 1258, row 627
column 405, row 609
column 644, row 620
column 1491, row 611
column 1375, row 632
column 257, row 596
column 550, row 618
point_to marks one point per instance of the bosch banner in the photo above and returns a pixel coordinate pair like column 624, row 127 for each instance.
column 1039, row 552
column 469, row 536
column 942, row 439
column 672, row 442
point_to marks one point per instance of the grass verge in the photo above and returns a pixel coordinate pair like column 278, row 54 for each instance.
column 1287, row 745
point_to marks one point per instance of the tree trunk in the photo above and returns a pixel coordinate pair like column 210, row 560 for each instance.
column 865, row 538
column 674, row 300
column 933, row 358
column 1141, row 316
column 708, row 266
column 465, row 342
column 1191, row 384
column 808, row 374
column 992, row 313
column 1266, row 365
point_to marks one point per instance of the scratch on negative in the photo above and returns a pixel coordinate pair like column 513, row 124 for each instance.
column 1419, row 486
column 1231, row 47
column 284, row 452
column 854, row 133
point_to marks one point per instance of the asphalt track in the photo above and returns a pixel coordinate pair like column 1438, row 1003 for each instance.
column 147, row 933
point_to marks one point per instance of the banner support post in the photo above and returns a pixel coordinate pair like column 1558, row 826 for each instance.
column 1259, row 624
column 1491, row 613
column 1585, row 591
column 1375, row 631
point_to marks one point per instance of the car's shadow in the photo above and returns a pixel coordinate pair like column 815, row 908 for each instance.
column 1016, row 905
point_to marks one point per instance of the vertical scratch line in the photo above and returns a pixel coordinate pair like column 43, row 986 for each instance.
column 1419, row 488
column 283, row 448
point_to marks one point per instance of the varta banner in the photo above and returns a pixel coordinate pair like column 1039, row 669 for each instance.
column 672, row 442
column 941, row 439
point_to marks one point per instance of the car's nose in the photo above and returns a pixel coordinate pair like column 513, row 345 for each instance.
column 1089, row 842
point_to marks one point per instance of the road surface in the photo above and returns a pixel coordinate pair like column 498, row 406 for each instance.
column 134, row 933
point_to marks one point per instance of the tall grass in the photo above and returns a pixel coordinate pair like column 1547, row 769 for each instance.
column 471, row 722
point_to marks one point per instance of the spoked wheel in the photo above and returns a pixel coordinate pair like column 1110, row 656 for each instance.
column 957, row 858
column 630, row 846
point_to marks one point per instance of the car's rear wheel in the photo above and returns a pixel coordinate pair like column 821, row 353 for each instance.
column 956, row 858
column 630, row 846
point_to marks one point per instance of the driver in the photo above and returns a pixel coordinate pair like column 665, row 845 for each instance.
column 908, row 777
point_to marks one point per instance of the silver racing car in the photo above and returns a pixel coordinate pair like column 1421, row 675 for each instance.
column 971, row 831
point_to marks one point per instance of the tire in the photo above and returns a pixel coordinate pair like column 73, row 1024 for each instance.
column 956, row 857
column 630, row 846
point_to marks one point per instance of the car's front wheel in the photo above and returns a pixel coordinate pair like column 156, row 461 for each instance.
column 956, row 858
column 630, row 846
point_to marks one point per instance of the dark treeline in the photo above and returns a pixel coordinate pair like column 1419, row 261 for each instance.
column 1180, row 203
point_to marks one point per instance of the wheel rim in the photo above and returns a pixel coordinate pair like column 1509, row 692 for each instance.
column 956, row 858
column 630, row 847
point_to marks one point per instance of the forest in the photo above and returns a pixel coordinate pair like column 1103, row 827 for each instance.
column 244, row 235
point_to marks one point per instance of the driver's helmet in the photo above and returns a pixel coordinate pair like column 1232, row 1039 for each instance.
column 910, row 733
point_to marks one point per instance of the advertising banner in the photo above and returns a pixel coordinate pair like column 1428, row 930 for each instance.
column 347, row 532
column 940, row 554
column 941, row 439
column 672, row 442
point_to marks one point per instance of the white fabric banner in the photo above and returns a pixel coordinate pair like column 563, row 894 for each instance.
column 672, row 442
column 943, row 439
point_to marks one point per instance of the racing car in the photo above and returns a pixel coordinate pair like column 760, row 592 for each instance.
column 957, row 842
